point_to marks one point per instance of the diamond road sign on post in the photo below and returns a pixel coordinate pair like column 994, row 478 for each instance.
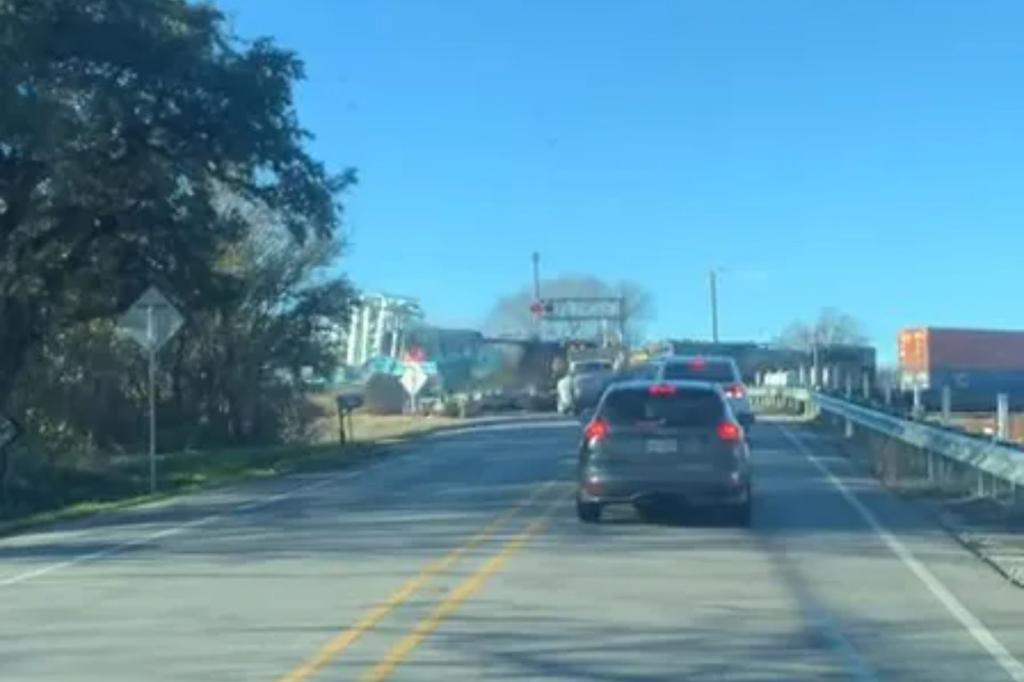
column 151, row 322
column 413, row 378
column 10, row 431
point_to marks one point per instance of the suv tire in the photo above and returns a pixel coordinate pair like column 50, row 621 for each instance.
column 588, row 512
column 742, row 515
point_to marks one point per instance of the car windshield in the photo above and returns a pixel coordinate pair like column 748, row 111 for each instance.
column 680, row 408
column 699, row 370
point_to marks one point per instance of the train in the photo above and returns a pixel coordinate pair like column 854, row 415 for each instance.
column 975, row 364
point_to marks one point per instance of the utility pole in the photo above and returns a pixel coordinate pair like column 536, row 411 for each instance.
column 622, row 321
column 815, row 365
column 536, row 292
column 714, row 305
column 536, row 276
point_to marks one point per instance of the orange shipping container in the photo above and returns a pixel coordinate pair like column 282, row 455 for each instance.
column 928, row 348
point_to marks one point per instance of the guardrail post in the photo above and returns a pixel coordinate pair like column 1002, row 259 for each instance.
column 1003, row 416
column 802, row 376
column 917, row 408
column 865, row 384
column 848, row 429
column 942, row 469
column 887, row 389
column 947, row 405
column 849, row 385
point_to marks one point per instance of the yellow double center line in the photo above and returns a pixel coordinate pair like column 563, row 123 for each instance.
column 369, row 620
column 401, row 650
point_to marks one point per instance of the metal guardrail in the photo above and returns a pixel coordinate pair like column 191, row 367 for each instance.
column 1000, row 461
column 770, row 397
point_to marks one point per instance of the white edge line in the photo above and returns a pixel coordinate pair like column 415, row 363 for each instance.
column 174, row 530
column 981, row 634
column 244, row 507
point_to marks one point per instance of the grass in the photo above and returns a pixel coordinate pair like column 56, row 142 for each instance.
column 184, row 473
column 88, row 493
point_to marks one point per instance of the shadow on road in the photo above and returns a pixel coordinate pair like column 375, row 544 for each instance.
column 411, row 512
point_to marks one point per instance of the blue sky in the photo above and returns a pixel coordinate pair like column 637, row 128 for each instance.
column 862, row 155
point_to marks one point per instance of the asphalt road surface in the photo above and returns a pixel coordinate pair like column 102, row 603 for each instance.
column 461, row 559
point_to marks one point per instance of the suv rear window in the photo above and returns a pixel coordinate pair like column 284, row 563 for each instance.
column 685, row 407
column 717, row 371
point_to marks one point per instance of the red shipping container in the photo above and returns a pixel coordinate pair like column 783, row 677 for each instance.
column 926, row 348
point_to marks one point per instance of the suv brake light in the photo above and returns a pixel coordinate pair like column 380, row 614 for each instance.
column 735, row 391
column 662, row 389
column 729, row 432
column 596, row 431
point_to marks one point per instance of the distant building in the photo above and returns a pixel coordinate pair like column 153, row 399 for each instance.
column 378, row 327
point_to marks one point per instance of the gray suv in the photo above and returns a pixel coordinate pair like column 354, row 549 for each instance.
column 654, row 439
column 716, row 369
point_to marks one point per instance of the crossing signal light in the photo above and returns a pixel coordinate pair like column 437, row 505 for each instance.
column 540, row 308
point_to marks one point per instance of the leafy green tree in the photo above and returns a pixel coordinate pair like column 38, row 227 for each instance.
column 123, row 124
column 237, row 366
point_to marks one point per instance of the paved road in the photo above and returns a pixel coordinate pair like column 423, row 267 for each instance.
column 462, row 560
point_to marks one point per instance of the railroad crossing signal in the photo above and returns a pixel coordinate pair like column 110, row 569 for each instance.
column 541, row 308
column 577, row 316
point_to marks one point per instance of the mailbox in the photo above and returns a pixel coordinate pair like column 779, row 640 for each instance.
column 349, row 402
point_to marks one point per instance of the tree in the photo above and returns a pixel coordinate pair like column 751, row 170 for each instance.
column 231, row 375
column 283, row 323
column 123, row 124
column 511, row 315
column 832, row 328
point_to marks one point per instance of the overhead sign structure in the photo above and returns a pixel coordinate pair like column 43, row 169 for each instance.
column 574, row 316
column 151, row 322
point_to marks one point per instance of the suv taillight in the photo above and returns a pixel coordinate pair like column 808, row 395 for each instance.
column 730, row 432
column 735, row 391
column 596, row 431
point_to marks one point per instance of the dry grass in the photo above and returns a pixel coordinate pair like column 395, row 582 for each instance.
column 370, row 427
column 185, row 472
column 383, row 428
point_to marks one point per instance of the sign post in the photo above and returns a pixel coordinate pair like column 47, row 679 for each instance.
column 151, row 321
column 152, row 410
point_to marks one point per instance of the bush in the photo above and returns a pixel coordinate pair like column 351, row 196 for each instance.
column 384, row 394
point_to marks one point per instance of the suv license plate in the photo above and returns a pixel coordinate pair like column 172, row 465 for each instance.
column 662, row 446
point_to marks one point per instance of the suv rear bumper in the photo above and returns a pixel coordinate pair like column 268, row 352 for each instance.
column 697, row 495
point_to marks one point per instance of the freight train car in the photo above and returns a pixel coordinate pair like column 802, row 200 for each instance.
column 976, row 364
